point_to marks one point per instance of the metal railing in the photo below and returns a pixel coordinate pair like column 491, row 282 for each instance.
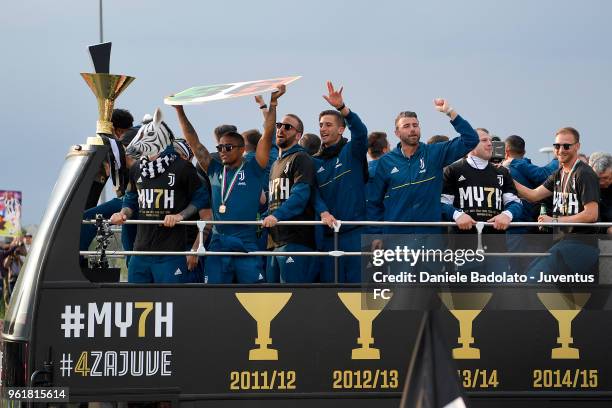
column 335, row 253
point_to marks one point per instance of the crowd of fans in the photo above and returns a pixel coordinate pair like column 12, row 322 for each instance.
column 285, row 174
column 12, row 257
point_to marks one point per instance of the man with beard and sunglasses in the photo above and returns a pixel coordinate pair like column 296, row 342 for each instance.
column 292, row 190
column 342, row 173
column 236, row 184
column 575, row 190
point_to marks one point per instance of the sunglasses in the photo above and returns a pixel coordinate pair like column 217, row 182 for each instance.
column 566, row 146
column 287, row 126
column 227, row 147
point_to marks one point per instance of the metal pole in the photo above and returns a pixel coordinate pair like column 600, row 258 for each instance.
column 101, row 23
column 336, row 260
column 102, row 198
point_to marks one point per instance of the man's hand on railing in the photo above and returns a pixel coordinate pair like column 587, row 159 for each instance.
column 377, row 244
column 118, row 218
column 269, row 221
column 465, row 222
column 170, row 220
column 500, row 222
column 192, row 262
column 328, row 219
column 545, row 218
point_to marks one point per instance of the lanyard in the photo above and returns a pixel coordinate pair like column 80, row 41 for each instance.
column 564, row 187
column 225, row 196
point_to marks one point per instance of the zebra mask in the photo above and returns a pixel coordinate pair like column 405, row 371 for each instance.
column 151, row 139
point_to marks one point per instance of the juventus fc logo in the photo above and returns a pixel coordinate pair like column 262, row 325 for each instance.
column 421, row 163
column 500, row 179
column 171, row 182
column 286, row 171
column 241, row 175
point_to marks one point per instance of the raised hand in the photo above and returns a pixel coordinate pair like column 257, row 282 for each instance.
column 179, row 108
column 442, row 105
column 259, row 100
column 335, row 97
column 281, row 89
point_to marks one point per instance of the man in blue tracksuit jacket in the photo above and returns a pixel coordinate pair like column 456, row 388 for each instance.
column 341, row 168
column 408, row 180
column 531, row 176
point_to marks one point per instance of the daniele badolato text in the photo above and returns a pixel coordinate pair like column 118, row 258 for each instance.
column 388, row 262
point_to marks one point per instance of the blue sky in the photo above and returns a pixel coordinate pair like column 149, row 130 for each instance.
column 520, row 67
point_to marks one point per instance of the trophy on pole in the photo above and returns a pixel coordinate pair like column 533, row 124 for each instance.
column 106, row 88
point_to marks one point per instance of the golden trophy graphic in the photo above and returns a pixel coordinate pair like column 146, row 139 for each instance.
column 106, row 88
column 564, row 307
column 465, row 307
column 263, row 307
column 365, row 317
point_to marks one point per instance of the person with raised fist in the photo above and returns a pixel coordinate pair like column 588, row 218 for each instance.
column 408, row 180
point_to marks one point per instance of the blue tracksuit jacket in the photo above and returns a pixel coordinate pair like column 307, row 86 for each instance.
column 342, row 179
column 409, row 189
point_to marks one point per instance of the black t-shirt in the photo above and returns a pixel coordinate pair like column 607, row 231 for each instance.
column 570, row 195
column 287, row 171
column 169, row 193
column 605, row 205
column 478, row 192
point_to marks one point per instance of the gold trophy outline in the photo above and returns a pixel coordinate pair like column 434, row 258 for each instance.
column 263, row 308
column 353, row 301
column 465, row 307
column 105, row 87
column 564, row 307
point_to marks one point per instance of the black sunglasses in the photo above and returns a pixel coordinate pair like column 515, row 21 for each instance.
column 227, row 147
column 287, row 126
column 566, row 146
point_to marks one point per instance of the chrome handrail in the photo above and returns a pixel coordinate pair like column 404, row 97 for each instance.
column 376, row 223
column 201, row 251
